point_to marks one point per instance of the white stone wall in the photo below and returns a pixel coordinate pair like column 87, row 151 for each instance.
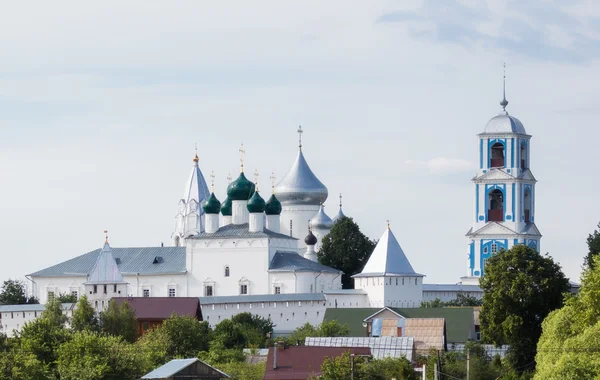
column 392, row 291
column 345, row 301
column 14, row 321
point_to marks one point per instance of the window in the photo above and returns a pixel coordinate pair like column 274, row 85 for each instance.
column 290, row 227
column 416, row 281
column 527, row 205
column 396, row 280
column 23, row 314
column 114, row 288
column 96, row 304
column 12, row 315
column 146, row 293
column 50, row 296
column 243, row 289
column 497, row 160
column 523, row 156
column 145, row 325
column 105, row 289
column 262, row 305
column 172, row 292
column 277, row 290
column 74, row 294
column 208, row 290
column 227, row 271
column 496, row 206
column 95, row 289
column 403, row 281
column 494, row 248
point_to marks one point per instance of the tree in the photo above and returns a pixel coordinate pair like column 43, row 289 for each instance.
column 67, row 298
column 326, row 329
column 13, row 293
column 84, row 317
column 460, row 300
column 570, row 342
column 256, row 328
column 230, row 334
column 343, row 367
column 187, row 335
column 593, row 242
column 521, row 287
column 119, row 320
column 347, row 249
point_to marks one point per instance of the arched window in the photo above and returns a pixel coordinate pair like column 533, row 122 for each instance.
column 524, row 156
column 496, row 206
column 497, row 160
column 227, row 271
column 527, row 205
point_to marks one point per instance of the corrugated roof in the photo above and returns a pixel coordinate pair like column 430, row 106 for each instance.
column 177, row 365
column 160, row 308
column 451, row 288
column 381, row 347
column 29, row 307
column 263, row 298
column 460, row 324
column 240, row 231
column 131, row 260
column 302, row 362
column 293, row 262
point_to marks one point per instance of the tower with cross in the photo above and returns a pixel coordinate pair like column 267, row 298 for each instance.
column 504, row 209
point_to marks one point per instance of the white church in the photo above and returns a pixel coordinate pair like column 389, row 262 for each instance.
column 248, row 254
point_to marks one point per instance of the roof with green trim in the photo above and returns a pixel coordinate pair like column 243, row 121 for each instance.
column 460, row 324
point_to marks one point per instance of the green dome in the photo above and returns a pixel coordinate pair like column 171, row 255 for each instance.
column 241, row 189
column 273, row 206
column 226, row 207
column 256, row 203
column 211, row 205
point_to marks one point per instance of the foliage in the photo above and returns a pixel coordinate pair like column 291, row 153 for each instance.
column 256, row 328
column 119, row 320
column 243, row 370
column 593, row 242
column 230, row 334
column 13, row 293
column 325, row 329
column 390, row 368
column 22, row 365
column 460, row 300
column 569, row 345
column 343, row 367
column 521, row 287
column 67, row 298
column 90, row 356
column 345, row 248
column 84, row 317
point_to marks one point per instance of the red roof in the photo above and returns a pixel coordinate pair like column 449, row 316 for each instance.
column 302, row 362
column 161, row 308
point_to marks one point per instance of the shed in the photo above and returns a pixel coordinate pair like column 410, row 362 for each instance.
column 186, row 369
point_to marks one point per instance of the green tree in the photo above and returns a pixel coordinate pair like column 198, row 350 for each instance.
column 570, row 342
column 187, row 335
column 13, row 293
column 333, row 328
column 301, row 333
column 521, row 287
column 84, row 317
column 593, row 242
column 67, row 298
column 256, row 328
column 344, row 367
column 347, row 249
column 230, row 334
column 326, row 329
column 90, row 356
column 390, row 368
column 460, row 300
column 119, row 320
column 22, row 365
column 243, row 370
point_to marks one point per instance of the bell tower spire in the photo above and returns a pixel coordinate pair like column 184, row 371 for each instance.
column 504, row 102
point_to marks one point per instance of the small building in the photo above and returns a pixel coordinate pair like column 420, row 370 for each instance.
column 303, row 362
column 151, row 312
column 381, row 347
column 186, row 369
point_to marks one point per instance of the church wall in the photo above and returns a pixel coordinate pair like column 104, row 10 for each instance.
column 299, row 216
column 15, row 320
column 347, row 300
column 57, row 285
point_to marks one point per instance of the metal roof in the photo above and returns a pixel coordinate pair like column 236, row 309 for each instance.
column 263, row 298
column 131, row 261
column 321, row 221
column 240, row 231
column 504, row 123
column 177, row 365
column 30, row 307
column 106, row 270
column 161, row 308
column 451, row 288
column 300, row 186
column 388, row 259
column 293, row 262
column 381, row 347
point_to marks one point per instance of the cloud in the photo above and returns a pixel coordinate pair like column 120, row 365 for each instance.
column 441, row 165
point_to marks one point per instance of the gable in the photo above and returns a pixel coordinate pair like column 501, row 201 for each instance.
column 531, row 229
column 385, row 313
column 493, row 228
column 527, row 175
column 493, row 175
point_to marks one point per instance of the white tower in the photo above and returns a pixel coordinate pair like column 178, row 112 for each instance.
column 504, row 211
column 388, row 278
column 300, row 193
column 189, row 219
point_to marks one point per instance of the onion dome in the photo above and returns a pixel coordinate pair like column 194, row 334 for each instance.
column 321, row 221
column 226, row 208
column 300, row 186
column 256, row 203
column 211, row 205
column 273, row 206
column 241, row 189
column 338, row 216
column 310, row 239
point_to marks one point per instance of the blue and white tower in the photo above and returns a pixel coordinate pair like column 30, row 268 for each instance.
column 504, row 212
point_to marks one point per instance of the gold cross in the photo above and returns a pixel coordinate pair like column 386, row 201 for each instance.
column 256, row 178
column 388, row 223
column 300, row 132
column 242, row 154
column 106, row 239
column 212, row 181
column 272, row 182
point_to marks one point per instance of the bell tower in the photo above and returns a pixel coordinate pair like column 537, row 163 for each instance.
column 504, row 189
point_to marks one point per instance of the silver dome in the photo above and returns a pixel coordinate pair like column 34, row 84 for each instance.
column 338, row 216
column 300, row 186
column 504, row 123
column 321, row 221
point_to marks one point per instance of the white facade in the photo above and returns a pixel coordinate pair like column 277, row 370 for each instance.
column 14, row 317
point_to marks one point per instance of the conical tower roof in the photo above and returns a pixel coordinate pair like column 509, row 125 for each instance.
column 106, row 270
column 388, row 259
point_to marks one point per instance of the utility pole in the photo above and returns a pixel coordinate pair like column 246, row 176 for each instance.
column 468, row 360
column 352, row 366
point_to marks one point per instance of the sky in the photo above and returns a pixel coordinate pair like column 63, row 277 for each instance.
column 101, row 104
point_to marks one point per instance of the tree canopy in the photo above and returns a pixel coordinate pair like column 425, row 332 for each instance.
column 570, row 342
column 119, row 320
column 521, row 287
column 13, row 293
column 460, row 300
column 84, row 317
column 593, row 242
column 345, row 248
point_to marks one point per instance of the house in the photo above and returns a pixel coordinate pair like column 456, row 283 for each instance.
column 381, row 347
column 303, row 362
column 151, row 312
column 186, row 369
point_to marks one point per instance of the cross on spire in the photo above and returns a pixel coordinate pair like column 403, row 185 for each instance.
column 229, row 178
column 504, row 102
column 340, row 200
column 300, row 132
column 106, row 237
column 212, row 181
column 242, row 154
column 196, row 152
column 272, row 177
column 256, row 174
column 388, row 224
